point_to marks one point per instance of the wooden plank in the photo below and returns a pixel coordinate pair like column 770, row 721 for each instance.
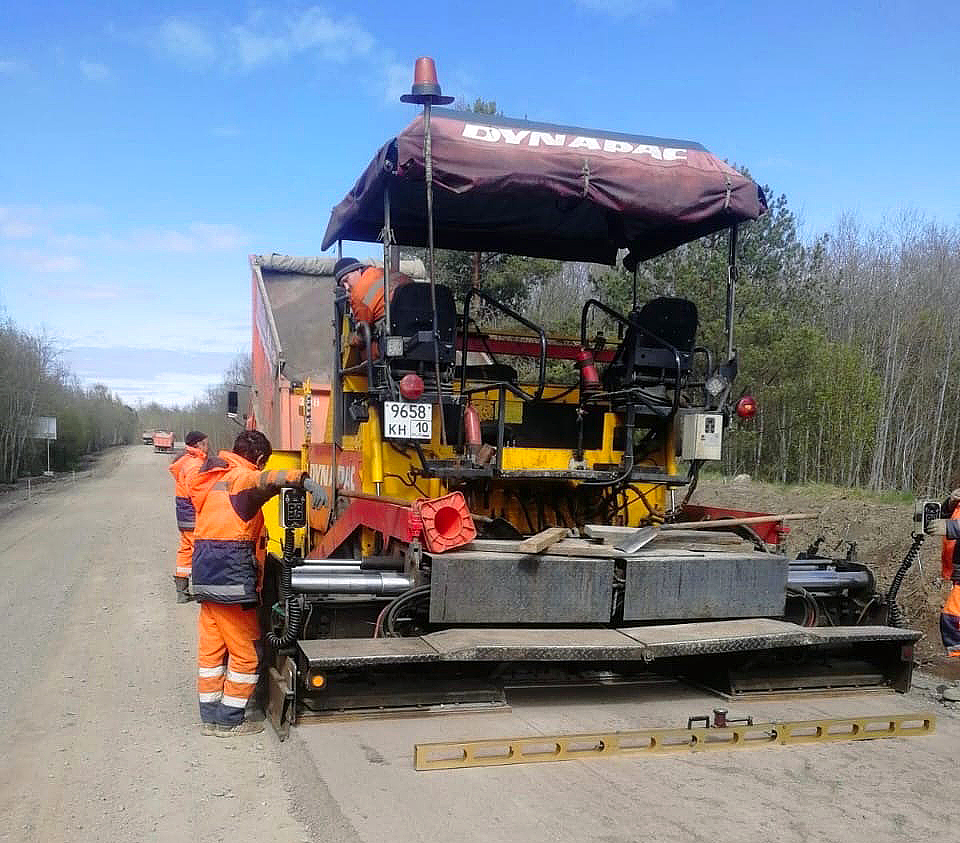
column 612, row 535
column 736, row 522
column 544, row 539
column 716, row 537
column 565, row 547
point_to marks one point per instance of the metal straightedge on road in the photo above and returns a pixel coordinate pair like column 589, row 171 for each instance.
column 660, row 742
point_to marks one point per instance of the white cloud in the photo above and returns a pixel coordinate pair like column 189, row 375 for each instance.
column 398, row 80
column 625, row 8
column 15, row 225
column 196, row 237
column 94, row 70
column 89, row 292
column 185, row 41
column 39, row 261
column 193, row 238
column 264, row 38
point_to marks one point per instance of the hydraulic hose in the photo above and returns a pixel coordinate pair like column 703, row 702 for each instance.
column 291, row 603
column 894, row 613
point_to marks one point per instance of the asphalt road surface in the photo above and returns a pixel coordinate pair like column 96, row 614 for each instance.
column 100, row 733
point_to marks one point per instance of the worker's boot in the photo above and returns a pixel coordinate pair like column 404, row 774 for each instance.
column 208, row 729
column 183, row 589
column 248, row 727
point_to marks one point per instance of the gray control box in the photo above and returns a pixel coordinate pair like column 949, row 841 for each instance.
column 701, row 436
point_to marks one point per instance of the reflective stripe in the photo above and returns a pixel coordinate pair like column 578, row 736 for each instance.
column 210, row 696
column 186, row 525
column 211, row 672
column 183, row 572
column 370, row 296
column 223, row 590
column 233, row 702
column 243, row 678
column 221, row 486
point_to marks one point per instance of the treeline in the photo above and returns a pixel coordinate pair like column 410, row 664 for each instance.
column 33, row 384
column 847, row 341
column 206, row 413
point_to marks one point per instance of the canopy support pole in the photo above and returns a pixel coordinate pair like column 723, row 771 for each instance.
column 731, row 287
column 387, row 240
column 428, row 173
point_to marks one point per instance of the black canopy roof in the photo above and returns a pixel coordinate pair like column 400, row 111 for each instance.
column 543, row 190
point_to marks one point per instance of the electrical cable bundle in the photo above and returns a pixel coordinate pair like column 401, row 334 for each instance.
column 894, row 612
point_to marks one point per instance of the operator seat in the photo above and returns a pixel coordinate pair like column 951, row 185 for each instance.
column 646, row 353
column 411, row 317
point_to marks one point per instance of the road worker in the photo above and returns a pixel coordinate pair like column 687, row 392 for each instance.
column 228, row 491
column 182, row 469
column 949, row 528
column 364, row 285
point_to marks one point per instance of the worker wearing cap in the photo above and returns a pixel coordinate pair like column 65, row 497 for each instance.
column 228, row 491
column 949, row 528
column 182, row 469
column 364, row 285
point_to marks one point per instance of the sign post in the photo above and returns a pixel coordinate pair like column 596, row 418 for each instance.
column 45, row 427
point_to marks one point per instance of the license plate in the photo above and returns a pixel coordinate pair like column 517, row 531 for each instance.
column 404, row 420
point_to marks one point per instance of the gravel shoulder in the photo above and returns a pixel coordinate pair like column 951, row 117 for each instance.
column 101, row 730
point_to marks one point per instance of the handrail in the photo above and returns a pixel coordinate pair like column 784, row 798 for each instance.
column 367, row 364
column 600, row 306
column 509, row 311
column 631, row 322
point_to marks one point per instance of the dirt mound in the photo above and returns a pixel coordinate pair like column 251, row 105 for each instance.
column 881, row 529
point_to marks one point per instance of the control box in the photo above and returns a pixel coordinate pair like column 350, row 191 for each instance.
column 701, row 436
column 293, row 507
column 926, row 511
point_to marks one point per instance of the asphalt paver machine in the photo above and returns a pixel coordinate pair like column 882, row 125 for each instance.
column 502, row 505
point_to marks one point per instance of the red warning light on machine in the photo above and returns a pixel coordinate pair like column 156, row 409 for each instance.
column 746, row 407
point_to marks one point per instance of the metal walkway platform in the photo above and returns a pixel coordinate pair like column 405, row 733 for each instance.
column 642, row 643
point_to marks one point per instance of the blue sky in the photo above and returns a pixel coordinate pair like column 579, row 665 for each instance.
column 147, row 149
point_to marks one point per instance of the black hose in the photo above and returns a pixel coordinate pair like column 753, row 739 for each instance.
column 291, row 603
column 894, row 612
column 402, row 600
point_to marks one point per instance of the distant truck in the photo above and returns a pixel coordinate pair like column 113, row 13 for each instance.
column 162, row 440
column 147, row 437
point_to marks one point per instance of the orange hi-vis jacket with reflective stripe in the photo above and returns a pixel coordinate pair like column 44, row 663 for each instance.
column 949, row 567
column 182, row 469
column 366, row 295
column 228, row 492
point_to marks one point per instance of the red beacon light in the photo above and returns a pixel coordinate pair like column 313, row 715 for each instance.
column 746, row 407
column 411, row 387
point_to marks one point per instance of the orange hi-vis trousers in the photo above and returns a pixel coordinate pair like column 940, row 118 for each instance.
column 185, row 554
column 950, row 623
column 228, row 661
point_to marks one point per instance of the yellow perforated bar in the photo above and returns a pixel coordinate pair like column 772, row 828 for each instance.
column 657, row 742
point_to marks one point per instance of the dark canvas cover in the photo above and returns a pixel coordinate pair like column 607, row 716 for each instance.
column 542, row 190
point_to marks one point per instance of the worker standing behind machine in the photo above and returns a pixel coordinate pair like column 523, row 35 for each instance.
column 182, row 469
column 949, row 528
column 228, row 555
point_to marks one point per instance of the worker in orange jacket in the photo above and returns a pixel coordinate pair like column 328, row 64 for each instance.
column 364, row 285
column 949, row 528
column 182, row 470
column 228, row 555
